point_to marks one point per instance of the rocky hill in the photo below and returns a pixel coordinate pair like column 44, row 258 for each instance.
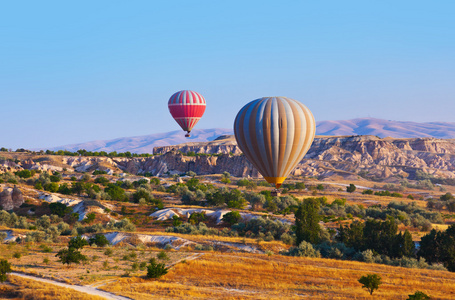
column 346, row 156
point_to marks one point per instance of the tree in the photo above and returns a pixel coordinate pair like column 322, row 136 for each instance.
column 407, row 245
column 176, row 221
column 226, row 178
column 370, row 282
column 446, row 197
column 232, row 217
column 70, row 255
column 299, row 186
column 59, row 209
column 156, row 270
column 5, row 267
column 256, row 200
column 418, row 296
column 116, row 192
column 351, row 188
column 77, row 242
column 307, row 221
column 197, row 217
column 100, row 240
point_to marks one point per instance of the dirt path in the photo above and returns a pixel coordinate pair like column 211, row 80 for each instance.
column 80, row 288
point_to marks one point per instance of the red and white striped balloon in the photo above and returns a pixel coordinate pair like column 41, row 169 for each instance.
column 187, row 108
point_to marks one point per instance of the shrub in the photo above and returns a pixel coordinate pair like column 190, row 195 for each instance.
column 304, row 249
column 162, row 256
column 156, row 270
column 17, row 255
column 100, row 240
column 5, row 267
column 59, row 209
column 232, row 217
column 418, row 296
column 77, row 242
column 351, row 188
column 108, row 252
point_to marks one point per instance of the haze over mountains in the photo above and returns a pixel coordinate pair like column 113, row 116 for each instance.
column 361, row 126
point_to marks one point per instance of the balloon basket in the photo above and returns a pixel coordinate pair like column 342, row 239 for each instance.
column 275, row 193
column 187, row 135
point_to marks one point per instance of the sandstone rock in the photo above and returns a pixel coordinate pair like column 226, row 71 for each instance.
column 6, row 200
column 17, row 197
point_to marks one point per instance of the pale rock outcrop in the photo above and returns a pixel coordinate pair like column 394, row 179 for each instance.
column 11, row 198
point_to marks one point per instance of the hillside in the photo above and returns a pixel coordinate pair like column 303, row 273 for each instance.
column 346, row 156
column 362, row 126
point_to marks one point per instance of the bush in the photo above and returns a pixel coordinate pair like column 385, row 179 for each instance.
column 5, row 267
column 100, row 240
column 77, row 242
column 59, row 209
column 156, row 270
column 351, row 188
column 304, row 249
column 162, row 256
column 418, row 296
column 232, row 217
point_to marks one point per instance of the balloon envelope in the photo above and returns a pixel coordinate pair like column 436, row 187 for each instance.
column 274, row 133
column 187, row 108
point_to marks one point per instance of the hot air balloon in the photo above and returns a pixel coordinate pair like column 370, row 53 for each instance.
column 274, row 133
column 187, row 108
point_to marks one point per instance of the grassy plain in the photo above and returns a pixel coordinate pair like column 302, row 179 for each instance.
column 248, row 276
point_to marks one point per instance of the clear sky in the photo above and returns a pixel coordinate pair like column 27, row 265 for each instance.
column 77, row 71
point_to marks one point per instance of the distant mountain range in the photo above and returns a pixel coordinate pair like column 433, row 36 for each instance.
column 387, row 128
column 361, row 126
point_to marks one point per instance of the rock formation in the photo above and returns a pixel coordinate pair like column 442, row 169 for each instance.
column 346, row 156
column 11, row 198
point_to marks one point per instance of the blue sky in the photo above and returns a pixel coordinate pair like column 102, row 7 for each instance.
column 86, row 70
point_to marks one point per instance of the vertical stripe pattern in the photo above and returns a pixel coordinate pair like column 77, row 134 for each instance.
column 274, row 133
column 187, row 108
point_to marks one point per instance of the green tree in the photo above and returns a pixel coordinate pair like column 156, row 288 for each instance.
column 256, row 200
column 5, row 267
column 70, row 255
column 307, row 221
column 51, row 187
column 59, row 209
column 226, row 178
column 156, row 270
column 418, row 296
column 176, row 221
column 446, row 197
column 116, row 192
column 232, row 217
column 77, row 242
column 370, row 282
column 100, row 240
column 197, row 217
column 299, row 186
column 407, row 246
column 24, row 174
column 351, row 188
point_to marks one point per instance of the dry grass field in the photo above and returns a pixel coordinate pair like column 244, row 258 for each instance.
column 100, row 266
column 21, row 288
column 246, row 276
